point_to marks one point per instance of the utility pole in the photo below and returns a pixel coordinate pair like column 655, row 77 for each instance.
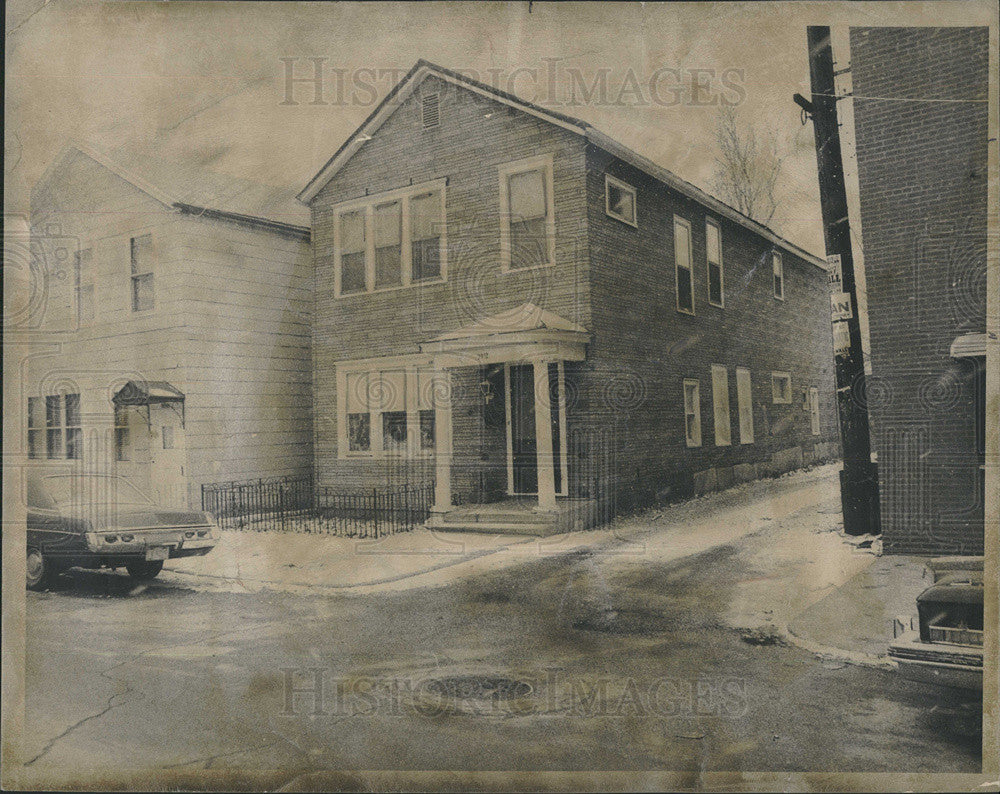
column 859, row 477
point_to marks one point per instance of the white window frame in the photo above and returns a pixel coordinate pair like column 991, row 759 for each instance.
column 814, row 417
column 722, row 419
column 135, row 275
column 507, row 170
column 711, row 223
column 610, row 181
column 775, row 398
column 679, row 221
column 367, row 205
column 744, row 404
column 411, row 367
column 693, row 410
column 777, row 269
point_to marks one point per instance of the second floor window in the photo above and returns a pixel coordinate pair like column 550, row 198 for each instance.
column 84, row 287
column 713, row 253
column 778, row 269
column 682, row 265
column 527, row 230
column 392, row 240
column 142, row 273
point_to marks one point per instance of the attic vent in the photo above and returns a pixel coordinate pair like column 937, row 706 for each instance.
column 430, row 110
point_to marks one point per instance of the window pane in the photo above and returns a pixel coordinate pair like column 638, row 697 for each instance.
column 682, row 245
column 142, row 293
column 392, row 391
column 121, row 443
column 527, row 195
column 36, row 443
column 425, row 241
column 712, row 242
column 73, row 410
column 714, row 283
column 53, row 410
column 352, row 232
column 357, row 392
column 528, row 243
column 777, row 267
column 720, row 406
column 142, row 254
column 359, row 428
column 74, row 443
column 685, row 298
column 352, row 272
column 36, row 412
column 427, row 429
column 388, row 257
column 394, row 432
column 53, row 443
column 621, row 203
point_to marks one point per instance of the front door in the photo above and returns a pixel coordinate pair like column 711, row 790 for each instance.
column 523, row 438
column 523, row 445
column 167, row 455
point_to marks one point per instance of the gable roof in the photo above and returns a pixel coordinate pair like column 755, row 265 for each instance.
column 194, row 190
column 423, row 69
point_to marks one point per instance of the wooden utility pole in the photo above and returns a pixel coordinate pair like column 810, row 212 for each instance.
column 859, row 477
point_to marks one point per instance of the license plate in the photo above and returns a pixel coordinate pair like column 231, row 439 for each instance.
column 157, row 553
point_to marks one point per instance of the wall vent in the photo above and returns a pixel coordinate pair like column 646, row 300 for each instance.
column 430, row 110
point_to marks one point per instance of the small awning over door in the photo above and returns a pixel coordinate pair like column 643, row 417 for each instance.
column 150, row 392
column 969, row 346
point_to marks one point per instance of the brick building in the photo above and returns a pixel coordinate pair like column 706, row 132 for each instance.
column 522, row 308
column 169, row 341
column 920, row 110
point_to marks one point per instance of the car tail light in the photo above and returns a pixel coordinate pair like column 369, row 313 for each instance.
column 202, row 533
column 110, row 538
column 189, row 534
column 128, row 538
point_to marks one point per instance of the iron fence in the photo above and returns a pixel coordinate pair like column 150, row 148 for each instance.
column 295, row 504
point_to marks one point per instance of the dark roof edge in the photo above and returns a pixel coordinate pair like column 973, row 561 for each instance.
column 288, row 229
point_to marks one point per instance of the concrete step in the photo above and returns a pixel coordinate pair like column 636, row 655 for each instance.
column 496, row 517
column 537, row 529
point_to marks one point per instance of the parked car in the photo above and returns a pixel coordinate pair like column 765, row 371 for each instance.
column 947, row 646
column 94, row 521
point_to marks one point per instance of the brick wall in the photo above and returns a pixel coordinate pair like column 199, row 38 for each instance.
column 921, row 127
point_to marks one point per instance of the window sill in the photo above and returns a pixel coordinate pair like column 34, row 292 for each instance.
column 506, row 268
column 397, row 288
column 717, row 305
column 689, row 312
column 626, row 221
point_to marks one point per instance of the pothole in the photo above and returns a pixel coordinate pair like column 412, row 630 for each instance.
column 624, row 621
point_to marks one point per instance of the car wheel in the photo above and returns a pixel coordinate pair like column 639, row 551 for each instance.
column 37, row 569
column 144, row 569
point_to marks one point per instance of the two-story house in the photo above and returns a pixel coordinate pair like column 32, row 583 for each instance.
column 516, row 305
column 170, row 331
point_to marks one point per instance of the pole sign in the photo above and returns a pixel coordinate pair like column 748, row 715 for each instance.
column 841, row 306
column 835, row 273
column 841, row 339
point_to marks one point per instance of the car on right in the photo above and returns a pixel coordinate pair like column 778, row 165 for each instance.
column 946, row 647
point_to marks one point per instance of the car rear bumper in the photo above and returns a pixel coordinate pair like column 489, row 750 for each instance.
column 959, row 666
column 136, row 544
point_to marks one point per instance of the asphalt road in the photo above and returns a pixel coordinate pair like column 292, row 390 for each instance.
column 552, row 665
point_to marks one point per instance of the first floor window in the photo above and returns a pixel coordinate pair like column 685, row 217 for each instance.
column 359, row 418
column 814, row 410
column 682, row 265
column 167, row 436
column 121, row 433
column 744, row 400
column 720, row 406
column 781, row 387
column 692, row 413
column 54, row 429
column 389, row 412
column 36, row 427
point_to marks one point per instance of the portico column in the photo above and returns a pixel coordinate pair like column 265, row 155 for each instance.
column 543, row 438
column 442, row 439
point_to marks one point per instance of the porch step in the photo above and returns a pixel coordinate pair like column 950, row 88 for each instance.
column 537, row 528
column 498, row 517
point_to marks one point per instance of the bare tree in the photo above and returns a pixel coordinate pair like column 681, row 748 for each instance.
column 746, row 167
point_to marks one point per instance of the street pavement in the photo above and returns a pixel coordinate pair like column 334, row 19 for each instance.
column 581, row 660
